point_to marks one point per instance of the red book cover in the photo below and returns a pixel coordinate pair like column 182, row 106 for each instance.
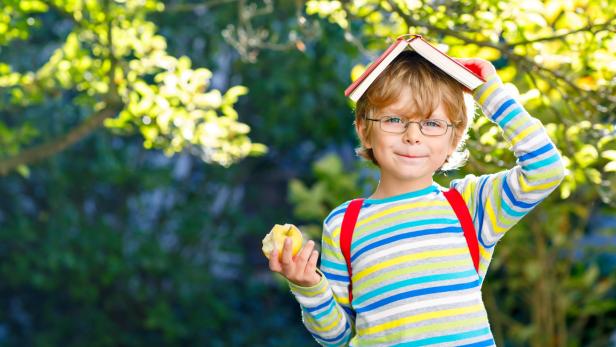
column 388, row 51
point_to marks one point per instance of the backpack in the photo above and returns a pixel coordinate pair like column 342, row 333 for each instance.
column 455, row 200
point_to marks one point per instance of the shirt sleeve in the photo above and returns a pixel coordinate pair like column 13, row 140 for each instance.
column 498, row 201
column 326, row 312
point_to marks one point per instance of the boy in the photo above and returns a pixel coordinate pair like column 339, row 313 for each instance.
column 413, row 280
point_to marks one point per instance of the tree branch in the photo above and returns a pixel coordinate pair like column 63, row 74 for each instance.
column 45, row 150
column 594, row 28
column 248, row 40
column 449, row 32
column 503, row 48
column 48, row 149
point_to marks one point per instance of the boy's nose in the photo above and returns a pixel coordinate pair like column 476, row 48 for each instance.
column 412, row 133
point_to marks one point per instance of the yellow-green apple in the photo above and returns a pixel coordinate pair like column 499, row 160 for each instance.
column 276, row 238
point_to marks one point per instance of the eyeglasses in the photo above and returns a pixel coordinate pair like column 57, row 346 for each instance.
column 397, row 125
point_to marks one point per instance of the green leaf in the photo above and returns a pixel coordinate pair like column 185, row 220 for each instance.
column 258, row 149
column 609, row 154
column 23, row 170
column 593, row 175
column 233, row 94
column 610, row 167
column 328, row 166
column 586, row 156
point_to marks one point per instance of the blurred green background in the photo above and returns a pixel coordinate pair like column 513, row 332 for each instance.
column 147, row 146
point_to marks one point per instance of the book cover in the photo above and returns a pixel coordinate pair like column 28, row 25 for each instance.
column 415, row 42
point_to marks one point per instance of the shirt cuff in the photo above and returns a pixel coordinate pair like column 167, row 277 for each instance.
column 492, row 83
column 313, row 291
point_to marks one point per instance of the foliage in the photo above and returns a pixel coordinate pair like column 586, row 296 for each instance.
column 112, row 58
column 131, row 255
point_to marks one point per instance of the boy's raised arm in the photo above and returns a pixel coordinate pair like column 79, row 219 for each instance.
column 498, row 201
column 325, row 308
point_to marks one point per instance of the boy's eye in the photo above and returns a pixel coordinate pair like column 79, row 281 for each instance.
column 433, row 123
column 393, row 120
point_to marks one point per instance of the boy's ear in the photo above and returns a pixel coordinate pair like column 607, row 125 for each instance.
column 452, row 148
column 454, row 143
column 359, row 128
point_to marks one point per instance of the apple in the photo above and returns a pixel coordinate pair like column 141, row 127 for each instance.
column 276, row 237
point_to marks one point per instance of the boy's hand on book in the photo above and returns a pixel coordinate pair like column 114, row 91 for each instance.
column 300, row 269
column 481, row 67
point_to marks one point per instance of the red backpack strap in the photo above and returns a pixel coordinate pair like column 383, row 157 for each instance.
column 459, row 207
column 346, row 235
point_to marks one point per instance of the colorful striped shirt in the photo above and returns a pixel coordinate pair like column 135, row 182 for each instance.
column 414, row 283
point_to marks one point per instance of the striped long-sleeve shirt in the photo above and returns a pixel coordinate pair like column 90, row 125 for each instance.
column 414, row 283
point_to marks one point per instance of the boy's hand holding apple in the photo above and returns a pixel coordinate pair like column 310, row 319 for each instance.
column 298, row 266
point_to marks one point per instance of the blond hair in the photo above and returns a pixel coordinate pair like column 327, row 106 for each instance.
column 429, row 87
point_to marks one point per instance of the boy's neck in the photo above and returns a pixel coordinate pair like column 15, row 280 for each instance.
column 388, row 187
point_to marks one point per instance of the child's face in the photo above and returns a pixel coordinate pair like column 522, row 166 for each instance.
column 410, row 157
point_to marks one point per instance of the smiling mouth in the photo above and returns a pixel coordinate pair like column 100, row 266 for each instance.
column 412, row 156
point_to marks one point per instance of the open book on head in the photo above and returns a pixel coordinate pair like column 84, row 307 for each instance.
column 417, row 43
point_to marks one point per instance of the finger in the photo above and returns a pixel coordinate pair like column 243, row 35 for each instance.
column 477, row 66
column 312, row 263
column 274, row 263
column 287, row 257
column 304, row 254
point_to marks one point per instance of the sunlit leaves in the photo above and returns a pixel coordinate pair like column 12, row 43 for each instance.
column 167, row 100
column 586, row 155
column 591, row 161
column 611, row 156
column 233, row 93
column 176, row 114
column 12, row 138
column 16, row 18
column 329, row 9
